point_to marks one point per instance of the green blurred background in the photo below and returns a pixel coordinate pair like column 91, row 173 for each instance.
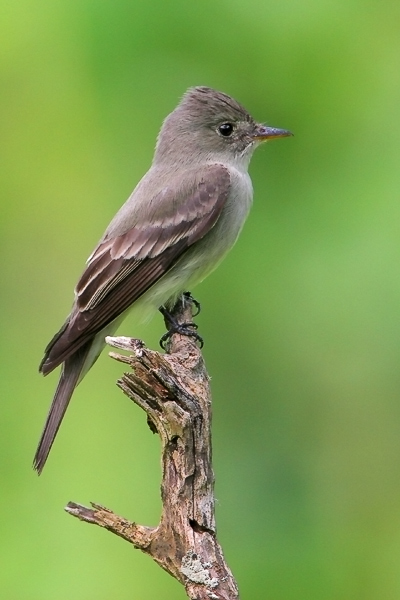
column 302, row 320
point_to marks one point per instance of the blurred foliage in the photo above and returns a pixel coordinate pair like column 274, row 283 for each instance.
column 302, row 320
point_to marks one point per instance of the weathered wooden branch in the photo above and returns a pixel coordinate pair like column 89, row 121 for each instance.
column 173, row 389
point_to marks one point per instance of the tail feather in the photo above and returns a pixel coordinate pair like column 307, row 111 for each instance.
column 69, row 379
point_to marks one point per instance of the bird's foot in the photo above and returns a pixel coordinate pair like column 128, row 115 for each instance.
column 183, row 329
column 187, row 328
column 196, row 303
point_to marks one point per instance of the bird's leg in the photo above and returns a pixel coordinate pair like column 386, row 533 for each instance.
column 188, row 296
column 187, row 328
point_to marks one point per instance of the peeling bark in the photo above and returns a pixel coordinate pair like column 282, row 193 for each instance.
column 174, row 391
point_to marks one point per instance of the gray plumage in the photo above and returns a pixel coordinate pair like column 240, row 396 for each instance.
column 177, row 225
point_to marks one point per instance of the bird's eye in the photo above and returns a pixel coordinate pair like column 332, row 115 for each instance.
column 226, row 129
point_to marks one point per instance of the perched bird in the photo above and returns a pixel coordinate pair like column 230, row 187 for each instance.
column 178, row 224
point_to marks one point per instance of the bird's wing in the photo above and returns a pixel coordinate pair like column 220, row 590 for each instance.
column 124, row 267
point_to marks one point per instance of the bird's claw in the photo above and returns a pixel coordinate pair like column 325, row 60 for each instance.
column 182, row 329
column 195, row 302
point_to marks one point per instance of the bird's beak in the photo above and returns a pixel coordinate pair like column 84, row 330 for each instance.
column 263, row 133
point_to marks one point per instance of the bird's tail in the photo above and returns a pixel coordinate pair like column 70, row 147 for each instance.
column 70, row 377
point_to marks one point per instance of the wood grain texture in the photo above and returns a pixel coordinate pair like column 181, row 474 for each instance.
column 173, row 389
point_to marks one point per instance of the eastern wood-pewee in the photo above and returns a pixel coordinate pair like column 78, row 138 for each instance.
column 178, row 224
